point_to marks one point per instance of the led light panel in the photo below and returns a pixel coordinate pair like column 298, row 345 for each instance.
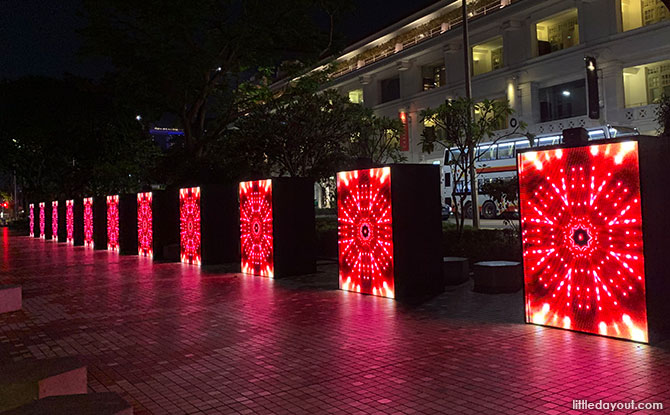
column 54, row 220
column 256, row 228
column 189, row 215
column 88, row 222
column 365, row 231
column 69, row 221
column 145, row 242
column 113, row 223
column 42, row 221
column 31, row 219
column 582, row 239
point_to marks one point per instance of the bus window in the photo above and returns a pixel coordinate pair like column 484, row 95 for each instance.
column 447, row 179
column 622, row 132
column 461, row 187
column 453, row 157
column 598, row 134
column 549, row 141
column 518, row 145
column 485, row 153
column 505, row 150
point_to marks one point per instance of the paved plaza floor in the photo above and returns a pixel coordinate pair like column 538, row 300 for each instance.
column 172, row 338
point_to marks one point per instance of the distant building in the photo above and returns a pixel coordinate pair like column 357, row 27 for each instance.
column 530, row 52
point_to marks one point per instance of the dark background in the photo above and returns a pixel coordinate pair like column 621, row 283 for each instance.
column 38, row 37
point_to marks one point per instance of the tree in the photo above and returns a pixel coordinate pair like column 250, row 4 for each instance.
column 301, row 132
column 663, row 117
column 70, row 137
column 306, row 132
column 453, row 127
column 376, row 139
column 189, row 59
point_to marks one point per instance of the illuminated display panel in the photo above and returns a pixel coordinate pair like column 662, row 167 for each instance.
column 31, row 219
column 365, row 231
column 189, row 218
column 88, row 222
column 256, row 233
column 42, row 221
column 54, row 220
column 69, row 221
column 582, row 239
column 113, row 223
column 145, row 236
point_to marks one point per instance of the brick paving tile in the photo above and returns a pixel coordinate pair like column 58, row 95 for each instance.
column 176, row 339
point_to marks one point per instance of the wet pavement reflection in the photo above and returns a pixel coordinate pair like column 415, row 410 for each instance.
column 173, row 338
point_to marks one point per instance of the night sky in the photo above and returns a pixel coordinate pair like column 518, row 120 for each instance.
column 38, row 37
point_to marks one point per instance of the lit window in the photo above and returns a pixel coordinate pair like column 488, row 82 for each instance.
column 638, row 13
column 356, row 96
column 563, row 101
column 644, row 84
column 433, row 76
column 487, row 56
column 561, row 31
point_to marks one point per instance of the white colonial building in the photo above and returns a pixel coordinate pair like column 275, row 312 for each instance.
column 530, row 52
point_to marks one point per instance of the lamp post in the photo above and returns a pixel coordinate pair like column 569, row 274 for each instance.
column 468, row 137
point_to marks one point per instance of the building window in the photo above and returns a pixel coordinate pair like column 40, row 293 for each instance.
column 433, row 76
column 644, row 84
column 560, row 31
column 487, row 56
column 563, row 101
column 390, row 89
column 356, row 96
column 638, row 13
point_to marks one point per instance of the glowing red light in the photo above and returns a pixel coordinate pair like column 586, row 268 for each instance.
column 31, row 219
column 88, row 222
column 145, row 234
column 54, row 220
column 256, row 235
column 69, row 221
column 582, row 239
column 113, row 223
column 42, row 221
column 189, row 214
column 365, row 231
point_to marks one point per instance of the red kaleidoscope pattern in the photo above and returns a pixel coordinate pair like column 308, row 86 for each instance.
column 145, row 235
column 88, row 222
column 113, row 223
column 582, row 239
column 69, row 221
column 31, row 219
column 54, row 220
column 365, row 231
column 42, row 221
column 189, row 216
column 256, row 228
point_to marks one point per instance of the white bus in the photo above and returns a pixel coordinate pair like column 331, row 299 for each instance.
column 497, row 161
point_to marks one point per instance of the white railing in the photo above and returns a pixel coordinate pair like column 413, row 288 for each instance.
column 434, row 31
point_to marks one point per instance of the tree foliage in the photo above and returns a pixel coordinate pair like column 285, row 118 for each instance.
column 452, row 126
column 305, row 132
column 196, row 61
column 70, row 137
